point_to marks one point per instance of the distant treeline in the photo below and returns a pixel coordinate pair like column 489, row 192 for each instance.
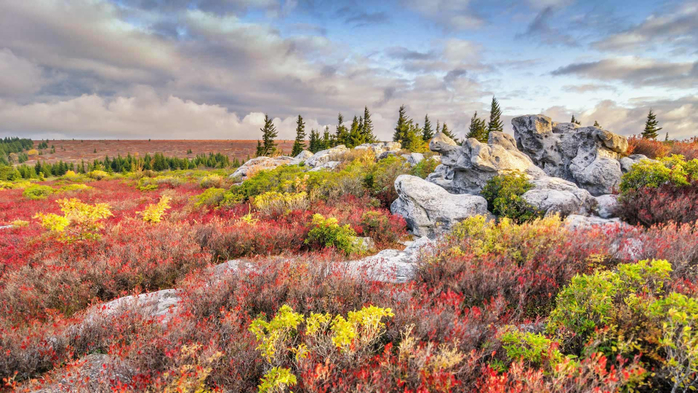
column 14, row 145
column 129, row 163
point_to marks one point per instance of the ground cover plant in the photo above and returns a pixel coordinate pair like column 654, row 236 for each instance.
column 518, row 304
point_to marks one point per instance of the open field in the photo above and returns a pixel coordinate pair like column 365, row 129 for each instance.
column 89, row 150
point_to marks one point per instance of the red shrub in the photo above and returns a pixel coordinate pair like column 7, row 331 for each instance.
column 649, row 147
column 663, row 204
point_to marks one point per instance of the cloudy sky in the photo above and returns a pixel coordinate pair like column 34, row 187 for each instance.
column 210, row 69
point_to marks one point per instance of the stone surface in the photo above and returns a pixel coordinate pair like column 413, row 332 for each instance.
column 379, row 147
column 554, row 195
column 364, row 244
column 102, row 371
column 324, row 156
column 588, row 156
column 5, row 226
column 301, row 157
column 429, row 209
column 576, row 221
column 329, row 165
column 474, row 163
column 249, row 168
column 442, row 176
column 387, row 154
column 626, row 163
column 159, row 304
column 388, row 265
column 413, row 158
column 607, row 205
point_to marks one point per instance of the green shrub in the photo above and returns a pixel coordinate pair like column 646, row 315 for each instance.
column 425, row 167
column 381, row 228
column 326, row 232
column 211, row 181
column 503, row 194
column 533, row 348
column 672, row 170
column 212, row 197
column 38, row 192
column 8, row 173
column 380, row 179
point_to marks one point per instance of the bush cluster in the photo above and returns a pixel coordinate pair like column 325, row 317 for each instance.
column 503, row 194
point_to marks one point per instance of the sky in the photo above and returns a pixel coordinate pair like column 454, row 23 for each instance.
column 211, row 69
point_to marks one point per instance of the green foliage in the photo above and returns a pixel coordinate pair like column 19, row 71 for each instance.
column 267, row 147
column 299, row 143
column 478, row 129
column 533, row 348
column 380, row 179
column 211, row 181
column 276, row 203
column 672, row 170
column 8, row 173
column 651, row 126
column 448, row 133
column 427, row 131
column 326, row 232
column 424, row 167
column 495, row 124
column 212, row 197
column 503, row 194
column 38, row 191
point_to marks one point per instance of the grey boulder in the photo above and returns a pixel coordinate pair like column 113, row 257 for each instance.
column 553, row 195
column 325, row 156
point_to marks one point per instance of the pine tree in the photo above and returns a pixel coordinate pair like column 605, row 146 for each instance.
column 666, row 137
column 478, row 129
column 268, row 146
column 448, row 133
column 427, row 132
column 413, row 138
column 596, row 124
column 575, row 121
column 299, row 143
column 495, row 124
column 651, row 129
column 327, row 139
column 356, row 136
column 315, row 144
column 342, row 134
column 368, row 127
column 260, row 149
column 402, row 127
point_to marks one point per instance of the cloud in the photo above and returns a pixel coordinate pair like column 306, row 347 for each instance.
column 450, row 14
column 677, row 29
column 18, row 77
column 636, row 71
column 363, row 18
column 588, row 88
column 539, row 29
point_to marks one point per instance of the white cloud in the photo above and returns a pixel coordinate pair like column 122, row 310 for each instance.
column 18, row 76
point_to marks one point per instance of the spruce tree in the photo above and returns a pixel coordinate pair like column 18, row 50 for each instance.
column 427, row 132
column 299, row 143
column 327, row 140
column 402, row 127
column 315, row 144
column 596, row 124
column 356, row 136
column 448, row 133
column 495, row 123
column 666, row 137
column 268, row 146
column 368, row 127
column 575, row 121
column 478, row 129
column 651, row 129
column 341, row 133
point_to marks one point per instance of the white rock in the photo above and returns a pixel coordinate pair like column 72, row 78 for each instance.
column 413, row 158
column 387, row 154
column 554, row 195
column 152, row 304
column 301, row 157
column 329, row 165
column 576, row 221
column 379, row 147
column 388, row 265
column 607, row 205
column 250, row 167
column 324, row 156
column 626, row 163
column 429, row 209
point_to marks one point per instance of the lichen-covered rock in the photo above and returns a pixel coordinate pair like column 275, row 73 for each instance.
column 156, row 305
column 553, row 195
column 588, row 156
column 379, row 147
column 387, row 154
column 626, row 163
column 413, row 158
column 607, row 206
column 474, row 163
column 301, row 157
column 250, row 167
column 324, row 156
column 442, row 176
column 392, row 266
column 329, row 165
column 429, row 209
column 576, row 221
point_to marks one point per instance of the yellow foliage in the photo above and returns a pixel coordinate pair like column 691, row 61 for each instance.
column 33, row 152
column 98, row 175
column 154, row 212
column 273, row 202
column 81, row 217
column 19, row 223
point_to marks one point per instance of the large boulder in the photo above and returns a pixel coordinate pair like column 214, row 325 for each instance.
column 301, row 157
column 325, row 156
column 379, row 147
column 474, row 163
column 607, row 206
column 626, row 163
column 250, row 167
column 413, row 158
column 588, row 156
column 390, row 265
column 430, row 210
column 553, row 195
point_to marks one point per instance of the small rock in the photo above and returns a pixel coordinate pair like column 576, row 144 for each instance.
column 324, row 156
column 607, row 205
column 391, row 266
column 380, row 147
column 413, row 158
column 576, row 221
column 301, row 157
column 387, row 154
column 249, row 168
column 329, row 165
column 626, row 163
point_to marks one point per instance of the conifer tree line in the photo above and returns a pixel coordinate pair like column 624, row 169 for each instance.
column 480, row 128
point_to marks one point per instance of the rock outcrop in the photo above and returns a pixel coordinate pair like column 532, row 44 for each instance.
column 380, row 147
column 474, row 163
column 431, row 210
column 576, row 221
column 626, row 163
column 588, row 156
column 392, row 266
column 325, row 156
column 554, row 195
column 249, row 168
column 607, row 206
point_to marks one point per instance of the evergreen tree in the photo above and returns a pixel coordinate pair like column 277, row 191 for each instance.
column 651, row 129
column 666, row 137
column 575, row 121
column 299, row 143
column 495, row 123
column 427, row 132
column 342, row 134
column 260, row 149
column 315, row 144
column 478, row 129
column 368, row 127
column 356, row 136
column 402, row 126
column 327, row 139
column 269, row 133
column 448, row 133
column 413, row 138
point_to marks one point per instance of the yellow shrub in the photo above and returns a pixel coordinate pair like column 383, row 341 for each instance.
column 275, row 203
column 33, row 152
column 19, row 223
column 75, row 187
column 70, row 174
column 154, row 212
column 8, row 185
column 80, row 221
column 211, row 181
column 98, row 175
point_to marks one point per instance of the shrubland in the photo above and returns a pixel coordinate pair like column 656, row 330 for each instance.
column 522, row 304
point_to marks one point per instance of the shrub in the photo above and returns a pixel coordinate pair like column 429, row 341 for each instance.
column 649, row 147
column 210, row 198
column 425, row 167
column 75, row 187
column 273, row 203
column 381, row 227
column 380, row 180
column 38, row 191
column 673, row 171
column 80, row 221
column 503, row 194
column 326, row 232
column 153, row 213
column 97, row 175
column 8, row 173
column 211, row 181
